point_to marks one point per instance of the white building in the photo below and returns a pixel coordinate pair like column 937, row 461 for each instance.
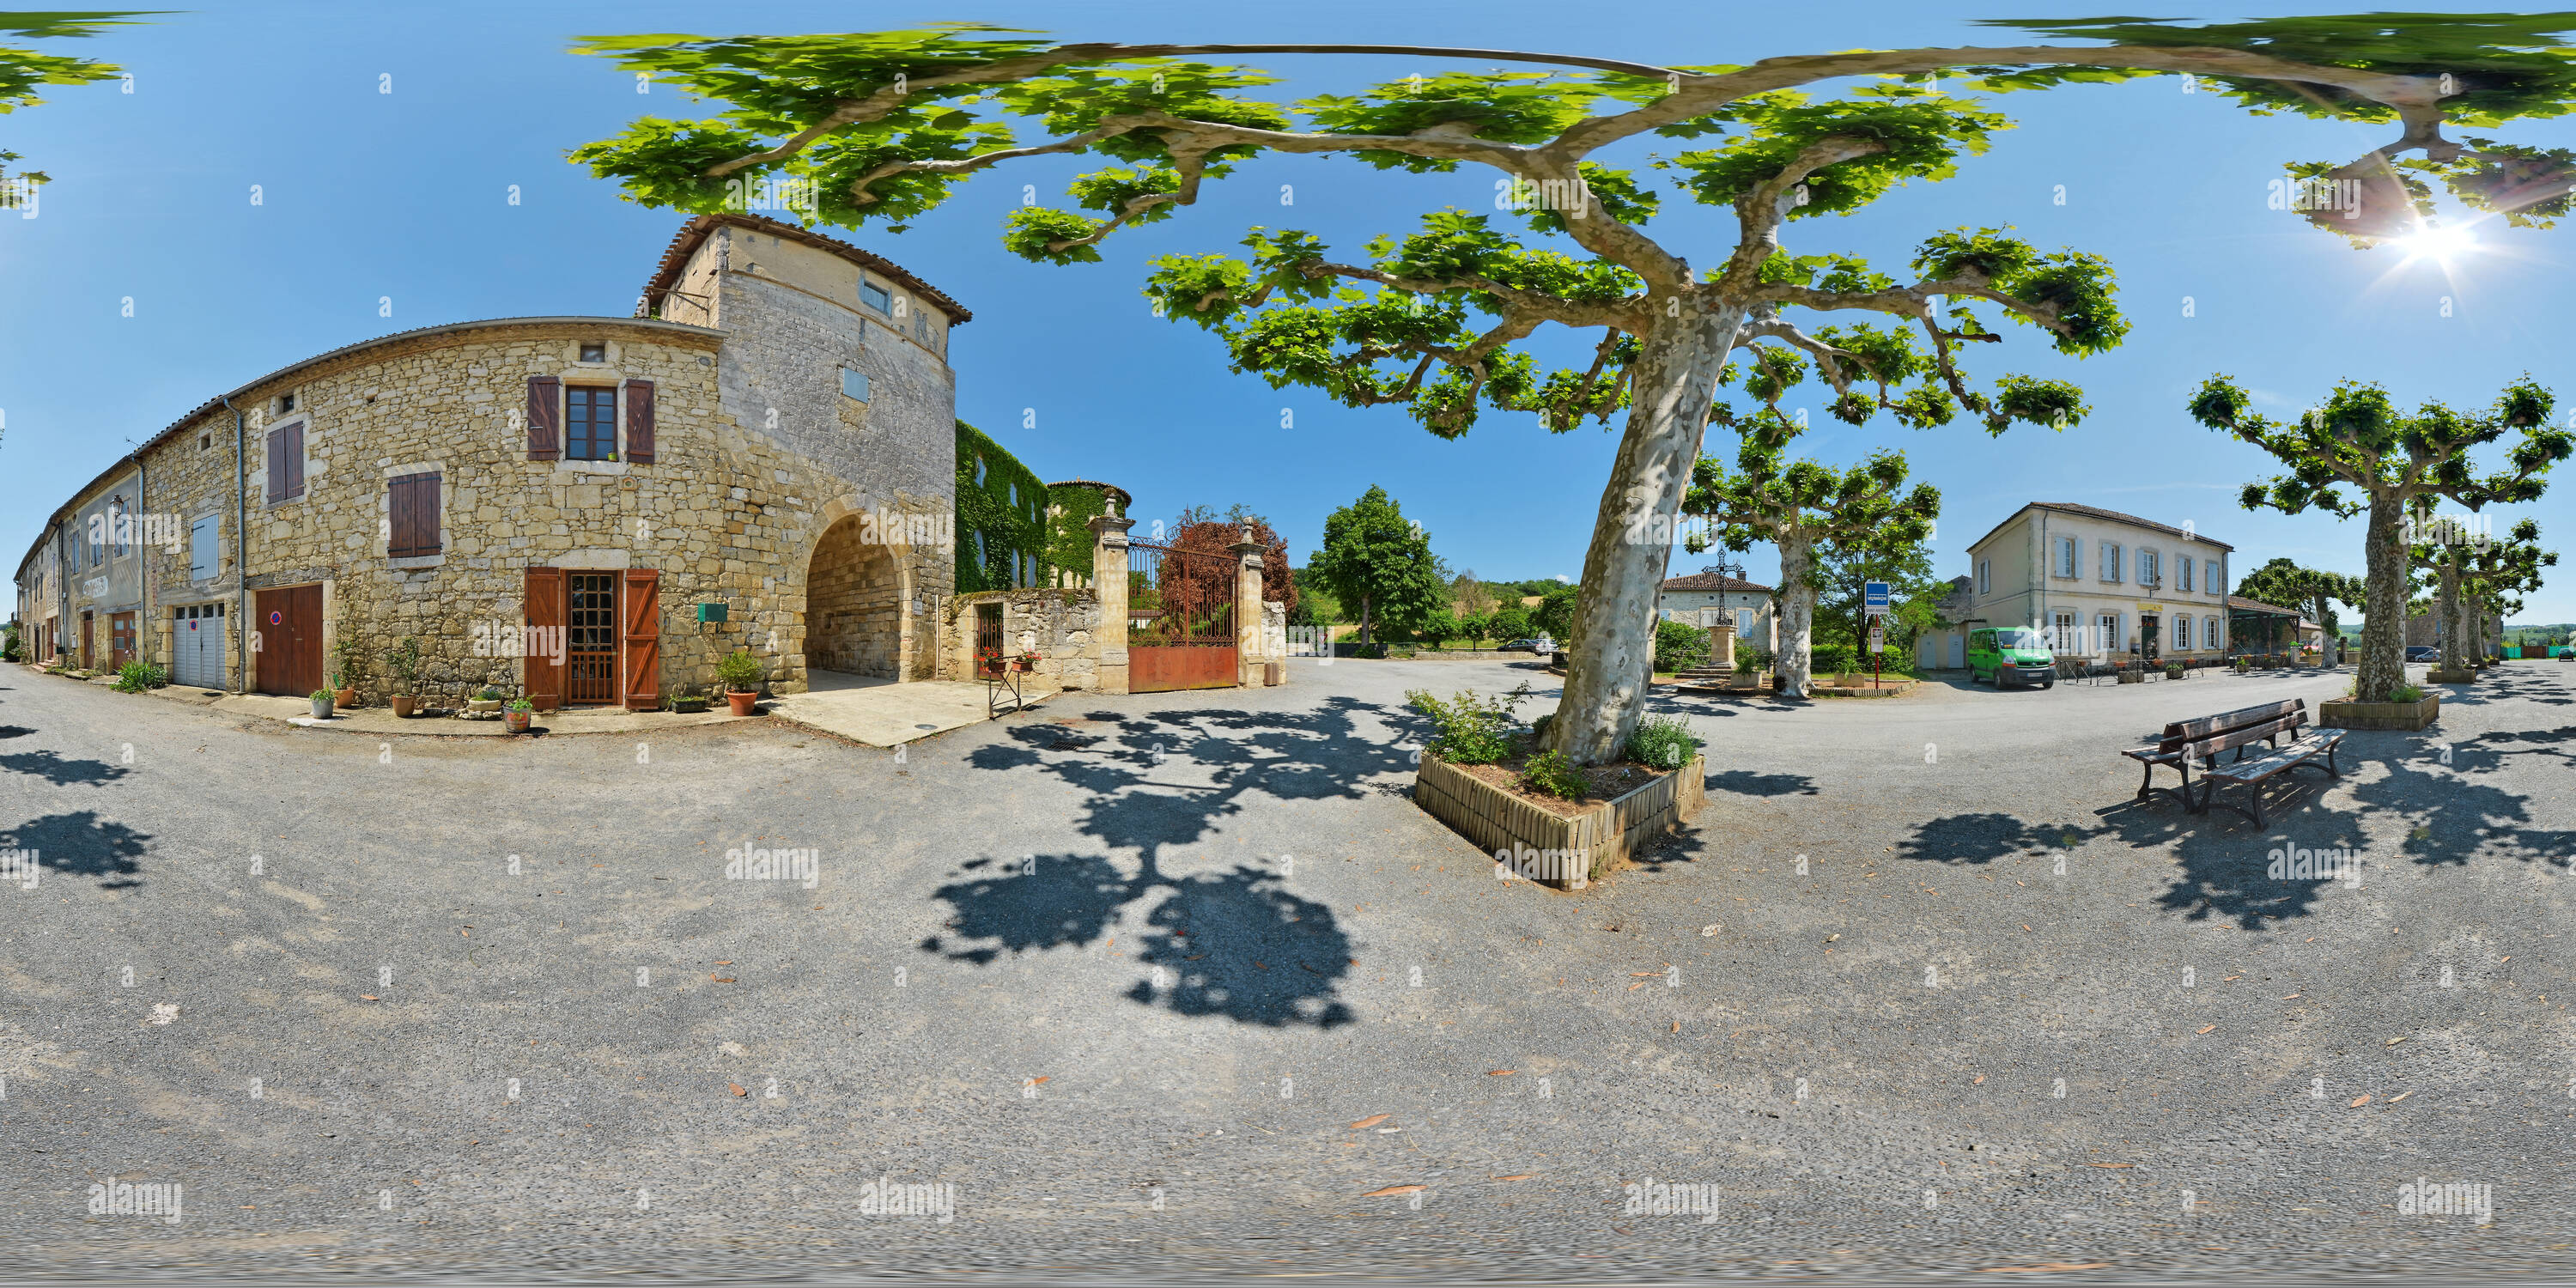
column 1711, row 599
column 2099, row 583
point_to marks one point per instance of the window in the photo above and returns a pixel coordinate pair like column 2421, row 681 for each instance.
column 97, row 541
column 2110, row 561
column 2148, row 567
column 854, row 384
column 2064, row 630
column 2210, row 638
column 590, row 423
column 1985, row 576
column 2182, row 573
column 202, row 555
column 2182, row 632
column 118, row 529
column 2066, row 556
column 921, row 326
column 411, row 516
column 205, row 441
column 2109, row 625
column 285, row 403
column 875, row 296
column 1743, row 623
column 979, row 471
column 286, row 462
column 596, row 351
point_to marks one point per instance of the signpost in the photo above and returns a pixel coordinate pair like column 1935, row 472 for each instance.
column 1874, row 601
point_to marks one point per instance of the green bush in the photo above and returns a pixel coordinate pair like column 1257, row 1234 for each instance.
column 1664, row 742
column 740, row 672
column 1752, row 659
column 2406, row 693
column 1829, row 659
column 1679, row 646
column 1552, row 773
column 135, row 677
column 1474, row 729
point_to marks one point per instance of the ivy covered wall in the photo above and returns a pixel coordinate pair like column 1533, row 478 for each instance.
column 1071, row 506
column 1001, row 517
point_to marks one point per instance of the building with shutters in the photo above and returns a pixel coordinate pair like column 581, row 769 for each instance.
column 1713, row 598
column 2097, row 583
column 588, row 510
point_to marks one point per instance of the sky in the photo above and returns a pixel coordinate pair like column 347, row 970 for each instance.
column 383, row 144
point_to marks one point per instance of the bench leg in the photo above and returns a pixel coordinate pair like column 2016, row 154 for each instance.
column 2147, row 780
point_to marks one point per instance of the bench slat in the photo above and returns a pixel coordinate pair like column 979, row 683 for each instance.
column 2225, row 720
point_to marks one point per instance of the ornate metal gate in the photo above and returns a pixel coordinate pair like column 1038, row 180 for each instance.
column 1180, row 619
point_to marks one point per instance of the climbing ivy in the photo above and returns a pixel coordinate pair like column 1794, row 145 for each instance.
column 992, row 532
column 1071, row 508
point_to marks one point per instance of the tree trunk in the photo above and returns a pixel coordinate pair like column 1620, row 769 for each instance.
column 1364, row 619
column 1675, row 378
column 2446, row 609
column 2383, row 609
column 1798, row 611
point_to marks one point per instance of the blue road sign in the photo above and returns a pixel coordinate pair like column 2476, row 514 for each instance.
column 1874, row 593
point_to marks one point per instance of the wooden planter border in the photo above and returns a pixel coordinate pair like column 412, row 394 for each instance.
column 1607, row 833
column 2381, row 715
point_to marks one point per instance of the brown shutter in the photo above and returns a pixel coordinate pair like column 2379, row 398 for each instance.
column 276, row 465
column 639, row 421
column 295, row 459
column 545, row 418
column 425, row 535
column 640, row 634
column 544, row 664
column 398, row 520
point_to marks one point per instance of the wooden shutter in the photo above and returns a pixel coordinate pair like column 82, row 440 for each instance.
column 412, row 511
column 639, row 421
column 639, row 634
column 276, row 465
column 545, row 418
column 545, row 610
column 398, row 523
column 295, row 459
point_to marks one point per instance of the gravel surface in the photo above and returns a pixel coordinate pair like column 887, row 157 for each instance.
column 1924, row 993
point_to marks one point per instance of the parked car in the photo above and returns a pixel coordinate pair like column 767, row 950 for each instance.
column 2423, row 653
column 1519, row 646
column 2564, row 654
column 2011, row 655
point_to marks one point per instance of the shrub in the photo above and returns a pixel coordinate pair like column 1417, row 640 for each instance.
column 522, row 704
column 740, row 672
column 1830, row 659
column 1679, row 646
column 135, row 677
column 1372, row 649
column 1474, row 729
column 1552, row 773
column 1665, row 742
column 1755, row 660
column 2406, row 693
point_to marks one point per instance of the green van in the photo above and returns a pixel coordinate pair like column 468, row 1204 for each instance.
column 2011, row 655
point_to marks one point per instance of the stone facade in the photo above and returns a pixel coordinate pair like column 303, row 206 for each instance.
column 1061, row 626
column 769, row 489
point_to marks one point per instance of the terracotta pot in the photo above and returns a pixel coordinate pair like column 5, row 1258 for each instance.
column 742, row 703
column 345, row 697
column 404, row 705
column 517, row 721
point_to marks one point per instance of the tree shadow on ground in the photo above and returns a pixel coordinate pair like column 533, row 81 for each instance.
column 51, row 767
column 1151, row 785
column 14, row 731
column 82, row 845
column 1745, row 782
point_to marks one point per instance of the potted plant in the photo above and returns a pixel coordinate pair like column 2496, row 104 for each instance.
column 2173, row 670
column 519, row 714
column 344, row 668
column 688, row 702
column 321, row 704
column 485, row 704
column 1028, row 660
column 404, row 662
column 740, row 672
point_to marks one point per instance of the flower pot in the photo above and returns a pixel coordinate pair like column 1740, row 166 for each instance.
column 404, row 704
column 321, row 708
column 688, row 706
column 345, row 697
column 517, row 721
column 742, row 703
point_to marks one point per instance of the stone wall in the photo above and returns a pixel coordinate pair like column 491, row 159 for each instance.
column 853, row 605
column 1063, row 626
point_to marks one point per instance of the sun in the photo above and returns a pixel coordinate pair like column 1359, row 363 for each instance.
column 2437, row 243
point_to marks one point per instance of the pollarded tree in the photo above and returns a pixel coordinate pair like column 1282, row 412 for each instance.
column 885, row 124
column 2283, row 581
column 2496, row 575
column 2437, row 546
column 24, row 71
column 2359, row 440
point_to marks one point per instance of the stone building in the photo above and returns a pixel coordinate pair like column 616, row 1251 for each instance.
column 587, row 510
column 1710, row 598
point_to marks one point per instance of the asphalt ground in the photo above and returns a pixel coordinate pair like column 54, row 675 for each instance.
column 1924, row 993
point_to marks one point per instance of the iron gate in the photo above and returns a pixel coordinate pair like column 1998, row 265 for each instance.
column 1180, row 618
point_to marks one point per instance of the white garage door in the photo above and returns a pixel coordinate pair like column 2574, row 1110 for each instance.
column 197, row 645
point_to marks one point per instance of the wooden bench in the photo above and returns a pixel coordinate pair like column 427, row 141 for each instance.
column 2204, row 739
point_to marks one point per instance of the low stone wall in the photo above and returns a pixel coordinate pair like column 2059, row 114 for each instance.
column 1061, row 625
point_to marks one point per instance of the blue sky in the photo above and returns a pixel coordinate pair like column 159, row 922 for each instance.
column 368, row 196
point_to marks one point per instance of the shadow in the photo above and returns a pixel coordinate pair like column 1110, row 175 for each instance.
column 1984, row 838
column 60, row 772
column 81, row 845
column 1745, row 782
column 14, row 731
column 1152, row 784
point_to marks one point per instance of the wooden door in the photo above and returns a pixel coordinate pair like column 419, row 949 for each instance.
column 543, row 662
column 639, row 638
column 288, row 643
column 590, row 643
column 120, row 639
column 89, row 660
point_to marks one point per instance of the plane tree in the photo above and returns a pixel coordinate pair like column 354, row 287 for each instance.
column 2285, row 581
column 2359, row 455
column 1440, row 320
column 2495, row 576
column 24, row 72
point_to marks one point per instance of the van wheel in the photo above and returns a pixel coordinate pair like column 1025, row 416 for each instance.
column 2049, row 683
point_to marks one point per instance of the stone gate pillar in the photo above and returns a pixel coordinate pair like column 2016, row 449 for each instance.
column 1109, row 581
column 1251, row 634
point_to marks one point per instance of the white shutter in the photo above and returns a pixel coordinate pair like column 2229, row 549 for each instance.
column 202, row 558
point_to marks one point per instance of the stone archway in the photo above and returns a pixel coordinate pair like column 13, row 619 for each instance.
column 854, row 618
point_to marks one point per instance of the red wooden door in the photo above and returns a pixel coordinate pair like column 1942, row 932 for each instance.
column 120, row 639
column 545, row 616
column 289, row 640
column 639, row 613
column 88, row 661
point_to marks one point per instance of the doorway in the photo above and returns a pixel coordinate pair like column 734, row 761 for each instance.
column 2147, row 637
column 89, row 659
column 287, row 641
column 590, row 646
column 120, row 640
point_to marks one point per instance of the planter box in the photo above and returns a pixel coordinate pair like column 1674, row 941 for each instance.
column 1605, row 834
column 2450, row 677
column 2133, row 677
column 2380, row 715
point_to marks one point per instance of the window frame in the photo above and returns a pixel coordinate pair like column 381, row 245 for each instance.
column 874, row 296
column 301, row 425
column 616, row 437
column 2070, row 563
column 438, row 527
column 1985, row 576
column 2109, row 570
column 849, row 374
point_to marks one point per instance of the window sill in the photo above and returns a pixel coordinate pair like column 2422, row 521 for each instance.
column 591, row 467
column 407, row 563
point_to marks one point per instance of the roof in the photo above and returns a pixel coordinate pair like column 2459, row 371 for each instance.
column 2240, row 604
column 2097, row 512
column 695, row 233
column 1124, row 500
column 134, row 457
column 1711, row 581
